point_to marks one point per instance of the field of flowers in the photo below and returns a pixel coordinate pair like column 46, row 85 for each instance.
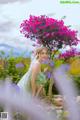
column 17, row 67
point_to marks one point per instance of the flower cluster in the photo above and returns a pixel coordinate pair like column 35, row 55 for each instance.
column 50, row 64
column 48, row 32
column 69, row 53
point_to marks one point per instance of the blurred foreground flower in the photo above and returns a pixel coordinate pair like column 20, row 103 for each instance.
column 75, row 67
column 19, row 65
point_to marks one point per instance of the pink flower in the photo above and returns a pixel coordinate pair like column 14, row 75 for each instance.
column 47, row 30
column 69, row 53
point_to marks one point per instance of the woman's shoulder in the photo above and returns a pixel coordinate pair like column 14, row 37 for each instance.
column 36, row 65
column 36, row 62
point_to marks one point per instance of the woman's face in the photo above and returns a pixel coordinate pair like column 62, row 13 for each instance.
column 43, row 55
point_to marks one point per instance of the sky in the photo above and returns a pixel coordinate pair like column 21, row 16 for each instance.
column 13, row 12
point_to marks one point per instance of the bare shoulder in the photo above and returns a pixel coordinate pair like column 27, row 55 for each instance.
column 36, row 66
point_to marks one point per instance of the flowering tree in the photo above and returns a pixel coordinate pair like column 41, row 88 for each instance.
column 48, row 32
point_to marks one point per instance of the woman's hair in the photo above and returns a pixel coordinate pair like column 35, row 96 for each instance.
column 39, row 50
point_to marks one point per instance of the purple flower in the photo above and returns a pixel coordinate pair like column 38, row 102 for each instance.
column 19, row 65
column 51, row 63
column 48, row 74
column 66, row 67
column 15, row 87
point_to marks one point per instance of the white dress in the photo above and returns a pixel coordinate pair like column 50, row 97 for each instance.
column 25, row 83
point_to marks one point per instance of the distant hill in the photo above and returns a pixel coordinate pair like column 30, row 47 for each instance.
column 13, row 51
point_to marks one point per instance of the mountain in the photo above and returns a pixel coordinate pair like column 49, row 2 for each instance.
column 13, row 51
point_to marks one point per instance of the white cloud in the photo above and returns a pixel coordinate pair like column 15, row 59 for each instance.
column 12, row 14
column 6, row 26
column 11, row 1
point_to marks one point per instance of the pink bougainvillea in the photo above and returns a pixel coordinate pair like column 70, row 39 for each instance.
column 69, row 53
column 48, row 32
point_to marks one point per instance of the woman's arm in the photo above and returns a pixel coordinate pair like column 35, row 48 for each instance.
column 35, row 71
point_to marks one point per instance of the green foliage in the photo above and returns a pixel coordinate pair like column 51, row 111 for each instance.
column 58, row 62
column 2, row 53
column 3, row 73
column 46, row 87
column 10, row 68
column 43, row 66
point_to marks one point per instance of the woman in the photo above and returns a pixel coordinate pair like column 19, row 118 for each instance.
column 34, row 80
